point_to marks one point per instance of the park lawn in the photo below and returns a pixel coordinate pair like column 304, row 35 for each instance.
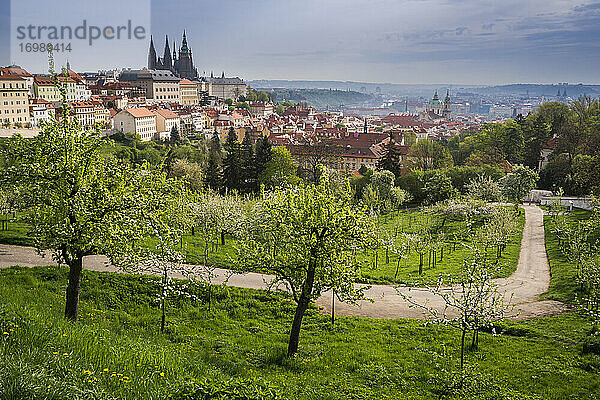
column 117, row 351
column 407, row 271
column 193, row 247
column 14, row 232
column 563, row 282
column 225, row 255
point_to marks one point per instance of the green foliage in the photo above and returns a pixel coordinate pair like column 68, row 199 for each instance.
column 243, row 105
column 174, row 137
column 280, row 170
column 190, row 173
column 517, row 184
column 232, row 165
column 380, row 194
column 307, row 237
column 427, row 154
column 438, row 187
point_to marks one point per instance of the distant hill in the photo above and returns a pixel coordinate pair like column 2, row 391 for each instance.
column 415, row 90
column 321, row 99
column 535, row 90
column 426, row 90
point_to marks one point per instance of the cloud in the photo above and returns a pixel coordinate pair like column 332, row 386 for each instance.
column 354, row 38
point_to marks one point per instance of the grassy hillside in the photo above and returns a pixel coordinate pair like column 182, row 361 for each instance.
column 563, row 282
column 238, row 346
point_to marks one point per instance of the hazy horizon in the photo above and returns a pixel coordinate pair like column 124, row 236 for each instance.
column 459, row 42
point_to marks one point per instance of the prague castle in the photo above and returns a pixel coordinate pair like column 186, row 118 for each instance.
column 181, row 65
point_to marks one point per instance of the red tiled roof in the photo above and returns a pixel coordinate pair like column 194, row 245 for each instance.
column 14, row 70
column 11, row 77
column 166, row 114
column 140, row 112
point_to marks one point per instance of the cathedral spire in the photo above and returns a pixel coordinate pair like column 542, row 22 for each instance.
column 184, row 44
column 167, row 60
column 151, row 55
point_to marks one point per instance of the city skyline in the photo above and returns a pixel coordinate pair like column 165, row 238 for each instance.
column 383, row 41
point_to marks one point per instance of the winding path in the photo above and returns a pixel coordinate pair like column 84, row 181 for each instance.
column 523, row 287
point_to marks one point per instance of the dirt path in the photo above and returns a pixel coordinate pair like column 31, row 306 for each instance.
column 531, row 279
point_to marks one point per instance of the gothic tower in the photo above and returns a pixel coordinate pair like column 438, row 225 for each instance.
column 167, row 61
column 175, row 60
column 185, row 66
column 152, row 55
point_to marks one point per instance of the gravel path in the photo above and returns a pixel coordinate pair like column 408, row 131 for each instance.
column 531, row 279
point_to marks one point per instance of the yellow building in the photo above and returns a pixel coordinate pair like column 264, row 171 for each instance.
column 188, row 91
column 14, row 100
column 45, row 88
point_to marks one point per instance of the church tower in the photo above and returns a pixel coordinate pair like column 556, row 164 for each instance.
column 151, row 55
column 185, row 64
column 167, row 61
column 446, row 109
column 175, row 60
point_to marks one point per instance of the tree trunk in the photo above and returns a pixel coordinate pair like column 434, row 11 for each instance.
column 307, row 288
column 223, row 237
column 163, row 319
column 421, row 264
column 397, row 268
column 462, row 350
column 163, row 303
column 73, row 289
column 209, row 296
column 332, row 307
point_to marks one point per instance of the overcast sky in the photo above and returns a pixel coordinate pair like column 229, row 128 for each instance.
column 415, row 41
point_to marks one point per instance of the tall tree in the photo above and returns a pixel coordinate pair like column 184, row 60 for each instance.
column 391, row 160
column 263, row 155
column 79, row 202
column 248, row 166
column 427, row 154
column 307, row 238
column 281, row 170
column 213, row 175
column 232, row 166
column 516, row 185
column 175, row 137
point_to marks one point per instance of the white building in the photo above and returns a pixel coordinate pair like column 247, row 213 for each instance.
column 160, row 85
column 165, row 121
column 40, row 110
column 140, row 121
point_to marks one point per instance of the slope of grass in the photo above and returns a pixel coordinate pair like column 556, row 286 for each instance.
column 388, row 270
column 14, row 232
column 563, row 282
column 237, row 346
column 385, row 270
